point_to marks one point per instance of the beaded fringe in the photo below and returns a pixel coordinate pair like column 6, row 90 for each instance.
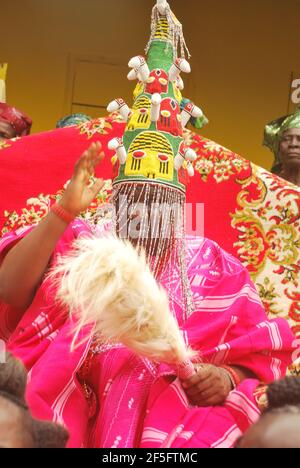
column 167, row 250
column 175, row 32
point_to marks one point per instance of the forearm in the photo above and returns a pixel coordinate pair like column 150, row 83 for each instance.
column 24, row 266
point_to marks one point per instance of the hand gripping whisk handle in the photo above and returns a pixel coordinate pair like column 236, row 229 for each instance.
column 185, row 370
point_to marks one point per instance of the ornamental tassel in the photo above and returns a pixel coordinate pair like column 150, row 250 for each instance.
column 180, row 83
column 120, row 106
column 185, row 154
column 133, row 75
column 162, row 8
column 140, row 67
column 189, row 111
column 180, row 157
column 190, row 169
column 155, row 107
column 118, row 145
column 180, row 65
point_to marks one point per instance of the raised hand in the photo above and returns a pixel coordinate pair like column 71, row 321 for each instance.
column 79, row 194
column 18, row 271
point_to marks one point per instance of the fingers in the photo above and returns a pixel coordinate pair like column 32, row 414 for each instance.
column 97, row 186
column 95, row 155
column 208, row 387
column 201, row 376
column 91, row 155
column 85, row 166
column 212, row 397
column 205, row 394
column 81, row 167
column 202, row 387
column 209, row 393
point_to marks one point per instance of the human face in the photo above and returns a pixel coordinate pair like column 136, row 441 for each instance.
column 14, row 426
column 290, row 147
column 6, row 130
column 273, row 431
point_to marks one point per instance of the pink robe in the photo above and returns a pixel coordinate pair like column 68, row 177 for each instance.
column 108, row 397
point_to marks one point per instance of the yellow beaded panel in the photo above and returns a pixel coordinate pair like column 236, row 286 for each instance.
column 140, row 117
column 139, row 89
column 150, row 155
column 162, row 30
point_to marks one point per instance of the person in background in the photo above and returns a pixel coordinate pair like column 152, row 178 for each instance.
column 73, row 119
column 279, row 426
column 18, row 429
column 13, row 123
column 282, row 136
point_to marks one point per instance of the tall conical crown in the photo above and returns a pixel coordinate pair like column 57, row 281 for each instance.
column 152, row 148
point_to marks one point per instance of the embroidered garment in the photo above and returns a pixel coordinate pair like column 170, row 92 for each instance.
column 257, row 221
column 108, row 397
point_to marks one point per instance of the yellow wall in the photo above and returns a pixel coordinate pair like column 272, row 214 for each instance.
column 243, row 52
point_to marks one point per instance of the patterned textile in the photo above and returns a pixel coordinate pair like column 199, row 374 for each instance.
column 122, row 397
column 251, row 213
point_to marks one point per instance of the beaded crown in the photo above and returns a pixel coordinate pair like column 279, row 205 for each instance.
column 153, row 148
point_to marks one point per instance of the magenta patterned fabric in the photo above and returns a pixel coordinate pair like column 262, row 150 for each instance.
column 108, row 397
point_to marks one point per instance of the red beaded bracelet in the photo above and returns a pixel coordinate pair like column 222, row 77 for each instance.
column 62, row 213
column 235, row 379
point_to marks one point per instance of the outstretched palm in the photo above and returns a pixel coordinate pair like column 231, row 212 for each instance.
column 79, row 193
